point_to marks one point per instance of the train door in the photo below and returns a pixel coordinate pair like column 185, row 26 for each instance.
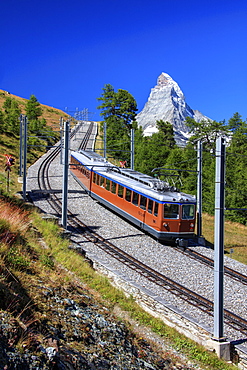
column 93, row 177
column 151, row 217
column 142, row 209
column 188, row 218
column 171, row 221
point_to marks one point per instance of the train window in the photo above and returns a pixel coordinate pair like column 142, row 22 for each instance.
column 188, row 211
column 113, row 187
column 94, row 177
column 171, row 210
column 120, row 191
column 143, row 202
column 156, row 208
column 135, row 198
column 98, row 179
column 102, row 181
column 150, row 206
column 128, row 195
column 108, row 184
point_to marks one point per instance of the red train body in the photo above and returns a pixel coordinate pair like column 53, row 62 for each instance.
column 149, row 203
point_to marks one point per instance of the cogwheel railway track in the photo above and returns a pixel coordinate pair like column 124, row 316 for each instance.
column 175, row 288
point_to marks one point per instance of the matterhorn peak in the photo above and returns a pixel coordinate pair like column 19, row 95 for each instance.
column 167, row 102
column 165, row 80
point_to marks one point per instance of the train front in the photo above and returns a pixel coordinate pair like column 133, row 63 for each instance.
column 179, row 218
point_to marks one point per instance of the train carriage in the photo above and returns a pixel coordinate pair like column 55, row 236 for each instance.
column 151, row 204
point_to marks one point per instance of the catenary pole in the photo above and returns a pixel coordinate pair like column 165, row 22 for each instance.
column 21, row 145
column 61, row 139
column 105, row 140
column 24, row 184
column 199, row 188
column 65, row 174
column 219, row 240
column 132, row 150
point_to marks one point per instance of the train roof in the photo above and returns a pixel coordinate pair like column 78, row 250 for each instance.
column 139, row 182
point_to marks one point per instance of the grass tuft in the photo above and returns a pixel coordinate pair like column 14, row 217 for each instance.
column 17, row 259
column 235, row 237
column 13, row 217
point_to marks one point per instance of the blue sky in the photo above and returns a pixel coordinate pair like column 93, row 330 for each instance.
column 64, row 52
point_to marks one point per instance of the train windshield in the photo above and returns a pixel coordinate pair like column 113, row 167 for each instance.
column 171, row 210
column 188, row 211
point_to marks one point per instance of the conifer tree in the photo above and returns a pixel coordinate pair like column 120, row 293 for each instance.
column 2, row 123
column 11, row 115
column 236, row 174
column 33, row 109
column 119, row 111
column 207, row 130
column 153, row 151
column 33, row 112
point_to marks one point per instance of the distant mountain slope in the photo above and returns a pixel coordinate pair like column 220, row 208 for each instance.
column 9, row 144
column 51, row 115
column 167, row 102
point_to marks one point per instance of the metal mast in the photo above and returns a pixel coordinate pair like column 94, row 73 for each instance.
column 65, row 174
column 199, row 188
column 219, row 239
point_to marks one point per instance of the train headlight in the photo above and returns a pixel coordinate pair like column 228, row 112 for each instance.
column 192, row 226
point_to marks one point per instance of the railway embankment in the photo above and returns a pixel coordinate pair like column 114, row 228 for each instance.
column 50, row 318
column 170, row 314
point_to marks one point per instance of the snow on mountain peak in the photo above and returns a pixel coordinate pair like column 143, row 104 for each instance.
column 167, row 102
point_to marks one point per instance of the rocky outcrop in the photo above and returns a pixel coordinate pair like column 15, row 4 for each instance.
column 167, row 102
column 67, row 329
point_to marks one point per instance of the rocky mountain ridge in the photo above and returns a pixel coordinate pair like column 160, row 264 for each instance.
column 167, row 102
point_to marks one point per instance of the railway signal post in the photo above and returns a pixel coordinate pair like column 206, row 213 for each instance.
column 9, row 162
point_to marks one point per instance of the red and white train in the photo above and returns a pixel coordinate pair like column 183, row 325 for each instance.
column 151, row 204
